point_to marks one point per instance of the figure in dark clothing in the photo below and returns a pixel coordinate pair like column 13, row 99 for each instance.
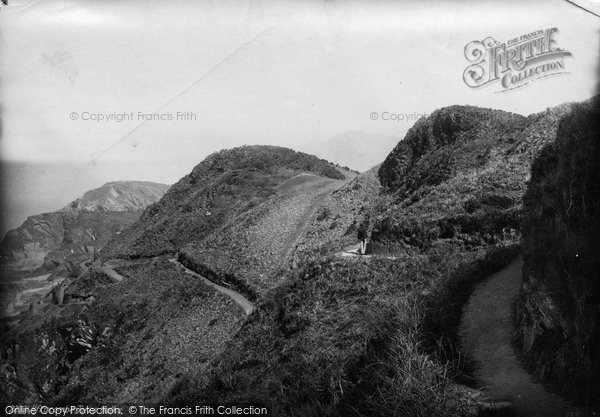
column 362, row 236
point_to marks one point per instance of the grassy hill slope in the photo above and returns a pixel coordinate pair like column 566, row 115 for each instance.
column 220, row 188
column 256, row 248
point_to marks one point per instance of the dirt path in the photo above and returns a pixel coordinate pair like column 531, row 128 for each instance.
column 243, row 302
column 310, row 205
column 487, row 334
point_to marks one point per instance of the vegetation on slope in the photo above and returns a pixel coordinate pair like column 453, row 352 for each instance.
column 257, row 248
column 378, row 336
column 223, row 186
column 222, row 190
column 460, row 174
column 349, row 337
column 558, row 309
column 132, row 343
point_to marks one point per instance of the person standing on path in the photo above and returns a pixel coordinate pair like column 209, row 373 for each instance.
column 362, row 236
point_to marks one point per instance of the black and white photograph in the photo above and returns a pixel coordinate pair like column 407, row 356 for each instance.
column 300, row 208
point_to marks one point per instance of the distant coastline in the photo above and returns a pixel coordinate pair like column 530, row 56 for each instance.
column 30, row 188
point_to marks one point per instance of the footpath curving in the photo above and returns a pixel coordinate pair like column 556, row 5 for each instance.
column 242, row 301
column 487, row 331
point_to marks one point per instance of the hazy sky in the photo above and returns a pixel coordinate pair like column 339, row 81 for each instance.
column 252, row 72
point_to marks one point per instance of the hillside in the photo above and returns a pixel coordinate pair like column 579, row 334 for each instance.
column 335, row 224
column 254, row 249
column 131, row 343
column 223, row 186
column 558, row 309
column 460, row 174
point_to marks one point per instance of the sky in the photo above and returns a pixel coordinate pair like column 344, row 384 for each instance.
column 251, row 72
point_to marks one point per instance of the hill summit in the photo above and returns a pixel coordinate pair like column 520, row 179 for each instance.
column 220, row 188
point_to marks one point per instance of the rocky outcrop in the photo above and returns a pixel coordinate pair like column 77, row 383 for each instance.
column 559, row 306
column 460, row 174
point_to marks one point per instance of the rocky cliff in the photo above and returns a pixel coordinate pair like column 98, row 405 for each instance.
column 559, row 306
column 83, row 226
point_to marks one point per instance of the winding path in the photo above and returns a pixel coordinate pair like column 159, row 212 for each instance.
column 487, row 335
column 243, row 302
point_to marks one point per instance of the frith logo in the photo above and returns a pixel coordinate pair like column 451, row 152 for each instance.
column 516, row 62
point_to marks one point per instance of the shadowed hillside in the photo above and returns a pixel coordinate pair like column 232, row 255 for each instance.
column 117, row 342
column 558, row 311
